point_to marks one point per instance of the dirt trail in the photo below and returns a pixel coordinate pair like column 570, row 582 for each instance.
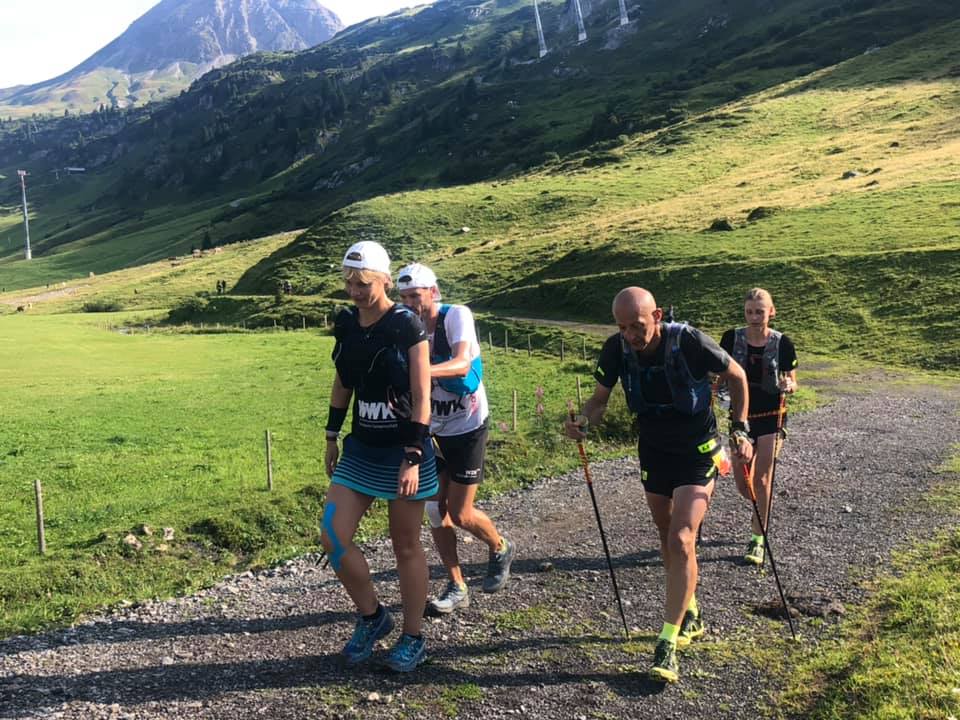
column 26, row 300
column 849, row 490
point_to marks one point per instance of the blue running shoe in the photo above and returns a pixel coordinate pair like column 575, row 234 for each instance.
column 409, row 652
column 498, row 567
column 365, row 636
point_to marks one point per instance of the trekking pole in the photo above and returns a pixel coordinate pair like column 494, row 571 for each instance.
column 603, row 535
column 777, row 446
column 748, row 478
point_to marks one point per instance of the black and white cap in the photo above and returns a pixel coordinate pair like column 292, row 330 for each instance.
column 416, row 275
column 367, row 255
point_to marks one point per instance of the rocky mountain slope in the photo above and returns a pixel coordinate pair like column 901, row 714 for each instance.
column 171, row 45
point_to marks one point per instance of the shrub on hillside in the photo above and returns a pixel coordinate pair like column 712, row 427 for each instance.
column 187, row 310
column 99, row 306
column 602, row 158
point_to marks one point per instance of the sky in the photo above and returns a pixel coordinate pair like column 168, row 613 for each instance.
column 40, row 39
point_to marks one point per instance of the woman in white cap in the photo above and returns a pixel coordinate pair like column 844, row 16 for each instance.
column 383, row 362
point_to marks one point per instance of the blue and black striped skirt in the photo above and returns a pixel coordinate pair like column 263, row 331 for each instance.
column 373, row 470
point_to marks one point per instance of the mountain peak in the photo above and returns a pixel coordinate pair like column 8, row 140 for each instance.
column 207, row 32
column 172, row 44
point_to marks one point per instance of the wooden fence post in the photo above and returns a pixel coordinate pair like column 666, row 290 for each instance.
column 41, row 532
column 529, row 346
column 303, row 321
column 490, row 338
column 584, row 348
column 579, row 395
column 514, row 410
column 506, row 341
column 269, row 462
column 561, row 349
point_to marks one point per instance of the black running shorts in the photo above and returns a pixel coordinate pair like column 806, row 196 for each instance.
column 764, row 426
column 662, row 473
column 462, row 455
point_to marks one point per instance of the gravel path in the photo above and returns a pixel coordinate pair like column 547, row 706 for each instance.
column 265, row 645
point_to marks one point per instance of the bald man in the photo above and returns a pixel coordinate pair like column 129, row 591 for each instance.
column 665, row 369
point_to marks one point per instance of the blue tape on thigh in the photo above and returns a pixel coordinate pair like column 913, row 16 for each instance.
column 336, row 554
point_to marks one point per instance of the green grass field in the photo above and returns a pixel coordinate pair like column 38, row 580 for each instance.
column 167, row 429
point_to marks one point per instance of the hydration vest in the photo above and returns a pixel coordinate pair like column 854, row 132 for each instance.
column 361, row 354
column 770, row 363
column 689, row 395
column 442, row 352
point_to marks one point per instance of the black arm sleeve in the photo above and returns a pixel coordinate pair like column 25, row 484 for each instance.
column 788, row 355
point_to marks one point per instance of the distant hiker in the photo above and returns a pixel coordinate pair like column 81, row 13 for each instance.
column 287, row 287
column 459, row 418
column 664, row 369
column 770, row 361
column 383, row 362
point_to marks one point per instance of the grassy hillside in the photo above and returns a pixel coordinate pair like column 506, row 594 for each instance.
column 157, row 285
column 104, row 86
column 867, row 264
column 445, row 94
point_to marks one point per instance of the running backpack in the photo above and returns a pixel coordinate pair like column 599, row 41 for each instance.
column 771, row 358
column 689, row 395
column 442, row 352
column 352, row 351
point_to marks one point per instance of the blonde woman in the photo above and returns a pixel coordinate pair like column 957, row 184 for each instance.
column 770, row 361
column 383, row 363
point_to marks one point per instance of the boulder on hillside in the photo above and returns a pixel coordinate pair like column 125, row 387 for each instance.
column 720, row 225
column 849, row 174
column 761, row 212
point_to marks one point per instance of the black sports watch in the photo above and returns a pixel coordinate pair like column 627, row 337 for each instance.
column 743, row 427
column 413, row 457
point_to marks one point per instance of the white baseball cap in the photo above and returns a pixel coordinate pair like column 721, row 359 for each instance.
column 416, row 275
column 367, row 255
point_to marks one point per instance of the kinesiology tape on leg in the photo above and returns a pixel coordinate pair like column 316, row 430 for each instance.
column 336, row 548
column 433, row 513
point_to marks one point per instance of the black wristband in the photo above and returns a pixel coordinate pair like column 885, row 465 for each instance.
column 413, row 457
column 415, row 434
column 736, row 425
column 335, row 419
